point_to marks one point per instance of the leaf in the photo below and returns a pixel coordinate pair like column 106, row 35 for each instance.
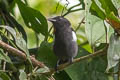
column 13, row 23
column 77, row 70
column 42, row 70
column 116, row 3
column 95, row 10
column 23, row 75
column 33, row 18
column 4, row 57
column 11, row 30
column 108, row 6
column 113, row 54
column 103, row 8
column 94, row 26
column 110, row 30
column 4, row 5
column 113, row 17
column 114, row 21
column 20, row 42
column 4, row 76
column 62, row 75
column 87, row 47
column 45, row 54
column 18, row 38
column 92, row 69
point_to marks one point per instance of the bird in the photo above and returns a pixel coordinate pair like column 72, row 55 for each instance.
column 65, row 44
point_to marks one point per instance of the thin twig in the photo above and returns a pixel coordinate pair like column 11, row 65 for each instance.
column 20, row 54
column 10, row 41
column 74, row 6
column 50, row 29
column 57, row 5
column 80, row 24
column 65, row 6
column 4, row 62
column 72, row 11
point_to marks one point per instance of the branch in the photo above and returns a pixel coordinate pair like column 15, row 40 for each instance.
column 80, row 24
column 114, row 24
column 74, row 6
column 20, row 54
column 72, row 11
column 35, row 62
column 62, row 66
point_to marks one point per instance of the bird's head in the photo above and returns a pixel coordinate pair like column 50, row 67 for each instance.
column 59, row 21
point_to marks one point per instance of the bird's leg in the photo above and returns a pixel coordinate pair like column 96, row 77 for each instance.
column 70, row 60
column 56, row 67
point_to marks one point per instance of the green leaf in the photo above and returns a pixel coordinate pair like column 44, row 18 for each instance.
column 110, row 30
column 77, row 70
column 116, row 3
column 113, row 17
column 18, row 38
column 95, row 10
column 81, row 37
column 43, row 77
column 4, row 76
column 108, row 6
column 42, row 70
column 92, row 69
column 20, row 42
column 103, row 8
column 45, row 54
column 62, row 75
column 15, row 25
column 4, row 57
column 4, row 5
column 113, row 54
column 23, row 75
column 87, row 47
column 33, row 18
column 94, row 28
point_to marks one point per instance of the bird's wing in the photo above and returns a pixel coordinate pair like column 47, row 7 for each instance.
column 74, row 35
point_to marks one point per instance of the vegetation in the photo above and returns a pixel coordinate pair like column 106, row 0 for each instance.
column 26, row 40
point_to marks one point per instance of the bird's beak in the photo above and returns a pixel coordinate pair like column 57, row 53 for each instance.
column 51, row 19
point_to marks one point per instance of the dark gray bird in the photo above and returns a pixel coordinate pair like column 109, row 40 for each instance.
column 65, row 46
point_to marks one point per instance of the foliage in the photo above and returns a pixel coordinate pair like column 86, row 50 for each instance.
column 100, row 28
